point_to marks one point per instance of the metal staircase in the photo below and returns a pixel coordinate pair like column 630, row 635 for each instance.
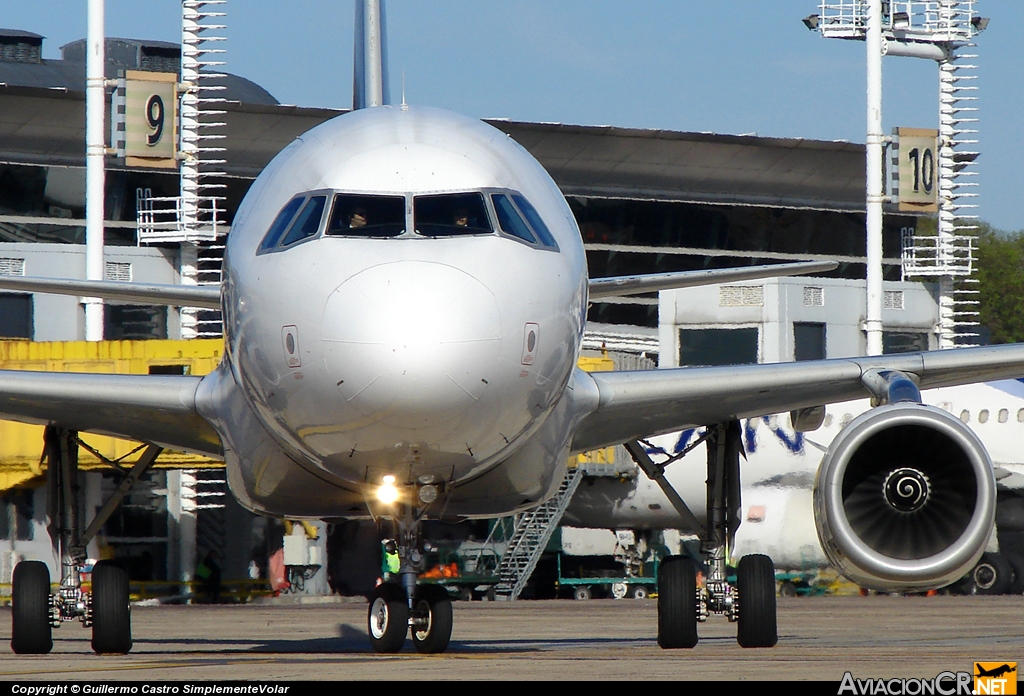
column 209, row 261
column 530, row 536
column 948, row 255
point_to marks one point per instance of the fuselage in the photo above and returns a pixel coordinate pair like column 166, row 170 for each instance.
column 405, row 292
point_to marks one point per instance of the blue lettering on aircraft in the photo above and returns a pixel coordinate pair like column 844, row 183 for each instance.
column 793, row 442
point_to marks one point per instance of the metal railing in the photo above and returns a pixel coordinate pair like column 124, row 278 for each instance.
column 161, row 219
column 938, row 255
column 910, row 20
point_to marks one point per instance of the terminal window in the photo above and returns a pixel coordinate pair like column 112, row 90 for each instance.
column 904, row 342
column 808, row 341
column 134, row 322
column 718, row 346
column 15, row 316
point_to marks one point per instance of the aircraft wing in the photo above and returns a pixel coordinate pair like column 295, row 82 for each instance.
column 642, row 403
column 143, row 293
column 160, row 409
column 652, row 282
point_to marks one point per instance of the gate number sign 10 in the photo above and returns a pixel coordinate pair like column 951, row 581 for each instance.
column 917, row 169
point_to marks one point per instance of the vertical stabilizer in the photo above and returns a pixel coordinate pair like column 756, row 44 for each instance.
column 370, row 73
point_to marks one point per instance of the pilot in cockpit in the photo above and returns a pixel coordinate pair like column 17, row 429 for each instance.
column 461, row 217
column 357, row 218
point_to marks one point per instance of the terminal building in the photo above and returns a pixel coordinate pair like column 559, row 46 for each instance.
column 646, row 201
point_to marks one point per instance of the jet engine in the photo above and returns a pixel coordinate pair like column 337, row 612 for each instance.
column 905, row 499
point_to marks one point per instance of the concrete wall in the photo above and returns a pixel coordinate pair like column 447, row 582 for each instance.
column 782, row 303
column 62, row 318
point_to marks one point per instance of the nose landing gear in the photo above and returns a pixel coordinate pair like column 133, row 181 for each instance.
column 401, row 605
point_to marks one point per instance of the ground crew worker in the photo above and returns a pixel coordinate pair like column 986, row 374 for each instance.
column 390, row 563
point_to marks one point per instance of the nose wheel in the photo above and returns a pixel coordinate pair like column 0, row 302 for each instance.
column 431, row 619
column 388, row 619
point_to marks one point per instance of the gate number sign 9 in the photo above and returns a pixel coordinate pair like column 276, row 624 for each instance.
column 155, row 119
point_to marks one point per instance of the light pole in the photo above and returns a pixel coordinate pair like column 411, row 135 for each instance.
column 95, row 154
column 933, row 29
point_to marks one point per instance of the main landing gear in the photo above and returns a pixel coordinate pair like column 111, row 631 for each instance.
column 750, row 602
column 400, row 605
column 35, row 611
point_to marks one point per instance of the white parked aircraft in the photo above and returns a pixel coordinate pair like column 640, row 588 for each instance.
column 404, row 299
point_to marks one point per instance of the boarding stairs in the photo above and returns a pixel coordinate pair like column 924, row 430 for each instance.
column 530, row 536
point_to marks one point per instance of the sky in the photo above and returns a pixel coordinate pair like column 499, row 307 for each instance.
column 739, row 67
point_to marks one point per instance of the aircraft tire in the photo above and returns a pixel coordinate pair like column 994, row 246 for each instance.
column 388, row 618
column 111, row 610
column 993, row 575
column 434, row 638
column 30, row 597
column 755, row 585
column 1016, row 562
column 677, row 603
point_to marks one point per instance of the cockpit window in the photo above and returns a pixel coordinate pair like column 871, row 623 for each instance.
column 280, row 223
column 451, row 214
column 307, row 222
column 509, row 219
column 546, row 238
column 358, row 215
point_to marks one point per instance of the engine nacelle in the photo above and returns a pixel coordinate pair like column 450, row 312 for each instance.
column 905, row 499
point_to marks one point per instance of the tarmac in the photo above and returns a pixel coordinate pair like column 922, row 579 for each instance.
column 820, row 638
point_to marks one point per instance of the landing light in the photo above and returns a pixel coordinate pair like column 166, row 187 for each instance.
column 388, row 492
column 428, row 494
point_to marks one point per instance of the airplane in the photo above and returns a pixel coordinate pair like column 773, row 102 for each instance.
column 995, row 671
column 404, row 298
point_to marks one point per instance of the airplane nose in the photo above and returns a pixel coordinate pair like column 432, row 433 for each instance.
column 412, row 344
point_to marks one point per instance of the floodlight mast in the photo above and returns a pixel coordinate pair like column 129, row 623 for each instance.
column 875, row 197
column 932, row 30
column 95, row 154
